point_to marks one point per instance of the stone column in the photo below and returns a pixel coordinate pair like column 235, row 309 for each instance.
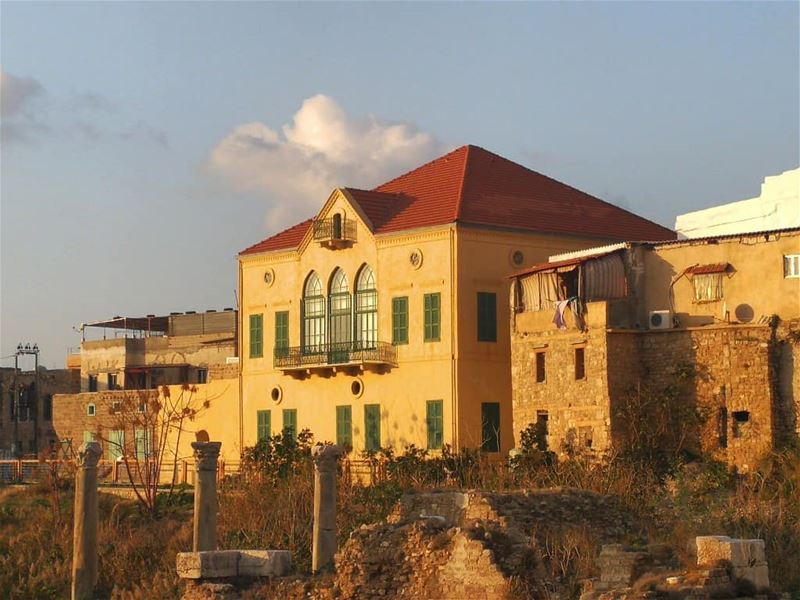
column 324, row 541
column 84, row 537
column 205, row 495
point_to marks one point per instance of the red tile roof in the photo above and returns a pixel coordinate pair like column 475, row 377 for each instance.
column 285, row 240
column 473, row 186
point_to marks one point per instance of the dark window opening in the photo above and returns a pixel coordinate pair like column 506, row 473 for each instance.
column 580, row 365
column 92, row 383
column 112, row 381
column 722, row 427
column 568, row 283
column 542, row 431
column 740, row 420
column 540, row 367
column 202, row 375
column 490, row 422
column 47, row 408
column 487, row 317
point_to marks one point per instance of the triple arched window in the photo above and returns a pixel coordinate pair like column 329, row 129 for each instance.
column 340, row 322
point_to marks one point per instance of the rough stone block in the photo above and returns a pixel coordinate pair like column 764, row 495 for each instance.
column 758, row 575
column 740, row 553
column 208, row 563
column 264, row 563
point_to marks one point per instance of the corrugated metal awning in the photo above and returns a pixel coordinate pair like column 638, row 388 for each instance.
column 708, row 269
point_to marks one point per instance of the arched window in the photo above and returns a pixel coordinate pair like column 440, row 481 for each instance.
column 313, row 316
column 339, row 304
column 366, row 309
column 337, row 226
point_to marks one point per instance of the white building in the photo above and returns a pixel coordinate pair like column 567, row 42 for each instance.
column 777, row 207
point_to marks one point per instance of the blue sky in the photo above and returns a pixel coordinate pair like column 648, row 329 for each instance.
column 145, row 144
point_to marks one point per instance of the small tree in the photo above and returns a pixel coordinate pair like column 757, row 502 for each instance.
column 155, row 420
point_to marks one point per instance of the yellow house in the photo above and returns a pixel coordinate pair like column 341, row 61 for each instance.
column 383, row 321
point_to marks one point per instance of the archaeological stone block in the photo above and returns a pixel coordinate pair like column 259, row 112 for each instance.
column 264, row 563
column 207, row 564
column 747, row 557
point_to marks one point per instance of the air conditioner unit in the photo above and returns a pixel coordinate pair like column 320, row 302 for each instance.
column 660, row 319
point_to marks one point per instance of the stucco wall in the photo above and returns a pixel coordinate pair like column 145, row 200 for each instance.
column 776, row 207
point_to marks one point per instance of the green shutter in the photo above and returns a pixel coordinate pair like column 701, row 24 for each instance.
column 264, row 425
column 344, row 426
column 490, row 426
column 282, row 333
column 256, row 336
column 435, row 421
column 487, row 317
column 290, row 421
column 116, row 444
column 372, row 427
column 142, row 444
column 400, row 320
column 432, row 317
column 88, row 436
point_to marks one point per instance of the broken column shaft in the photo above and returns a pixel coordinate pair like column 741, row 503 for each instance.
column 324, row 541
column 84, row 540
column 205, row 495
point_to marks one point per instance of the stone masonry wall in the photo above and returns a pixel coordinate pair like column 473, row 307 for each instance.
column 577, row 409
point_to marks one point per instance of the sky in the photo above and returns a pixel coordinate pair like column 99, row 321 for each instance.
column 143, row 145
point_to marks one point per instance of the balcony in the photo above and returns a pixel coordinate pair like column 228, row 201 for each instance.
column 335, row 232
column 328, row 358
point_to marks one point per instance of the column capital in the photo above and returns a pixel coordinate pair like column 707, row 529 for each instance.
column 326, row 455
column 88, row 455
column 206, row 455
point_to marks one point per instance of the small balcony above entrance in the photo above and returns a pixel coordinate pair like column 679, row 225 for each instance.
column 335, row 232
column 325, row 359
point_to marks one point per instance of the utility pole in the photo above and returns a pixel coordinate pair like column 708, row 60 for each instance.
column 34, row 350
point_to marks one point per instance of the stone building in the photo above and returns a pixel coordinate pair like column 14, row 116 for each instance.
column 191, row 355
column 375, row 323
column 687, row 343
column 26, row 414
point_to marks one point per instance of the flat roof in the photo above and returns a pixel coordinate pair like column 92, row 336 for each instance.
column 149, row 322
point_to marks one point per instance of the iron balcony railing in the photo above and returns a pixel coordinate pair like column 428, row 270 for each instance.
column 327, row 230
column 333, row 354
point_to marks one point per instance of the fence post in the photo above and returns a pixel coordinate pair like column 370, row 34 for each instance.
column 185, row 472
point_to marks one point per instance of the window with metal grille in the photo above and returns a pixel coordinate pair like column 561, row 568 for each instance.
column 707, row 287
column 290, row 421
column 366, row 309
column 791, row 265
column 372, row 427
column 490, row 426
column 313, row 316
column 432, row 320
column 256, row 336
column 487, row 317
column 400, row 320
column 344, row 426
column 282, row 333
column 435, row 421
column 263, row 425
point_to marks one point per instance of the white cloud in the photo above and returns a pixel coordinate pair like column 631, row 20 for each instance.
column 321, row 149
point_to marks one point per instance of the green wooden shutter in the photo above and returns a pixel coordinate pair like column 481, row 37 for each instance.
column 264, row 425
column 88, row 436
column 372, row 427
column 290, row 421
column 490, row 425
column 435, row 421
column 256, row 336
column 487, row 317
column 400, row 320
column 344, row 426
column 142, row 444
column 116, row 444
column 282, row 333
column 432, row 316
